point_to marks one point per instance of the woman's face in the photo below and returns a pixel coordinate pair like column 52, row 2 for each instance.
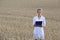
column 39, row 12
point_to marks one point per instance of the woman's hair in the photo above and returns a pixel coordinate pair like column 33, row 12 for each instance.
column 39, row 9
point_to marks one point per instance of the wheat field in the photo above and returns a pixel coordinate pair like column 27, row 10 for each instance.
column 16, row 19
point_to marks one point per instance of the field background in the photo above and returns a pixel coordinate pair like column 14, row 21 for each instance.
column 16, row 19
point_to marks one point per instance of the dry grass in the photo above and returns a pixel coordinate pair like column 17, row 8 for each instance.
column 16, row 19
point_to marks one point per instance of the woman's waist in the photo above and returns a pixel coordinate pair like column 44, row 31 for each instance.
column 38, row 27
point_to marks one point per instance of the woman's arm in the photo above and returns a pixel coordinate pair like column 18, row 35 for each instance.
column 33, row 21
column 44, row 22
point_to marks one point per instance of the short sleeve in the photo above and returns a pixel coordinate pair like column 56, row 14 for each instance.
column 33, row 20
column 44, row 22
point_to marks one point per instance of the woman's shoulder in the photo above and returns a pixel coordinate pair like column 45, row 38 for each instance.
column 43, row 17
column 35, row 17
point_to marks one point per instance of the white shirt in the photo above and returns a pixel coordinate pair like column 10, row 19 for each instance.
column 39, row 31
column 42, row 18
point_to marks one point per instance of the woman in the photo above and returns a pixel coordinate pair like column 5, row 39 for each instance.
column 38, row 30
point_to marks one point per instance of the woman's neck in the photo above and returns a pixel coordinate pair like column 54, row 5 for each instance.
column 39, row 16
